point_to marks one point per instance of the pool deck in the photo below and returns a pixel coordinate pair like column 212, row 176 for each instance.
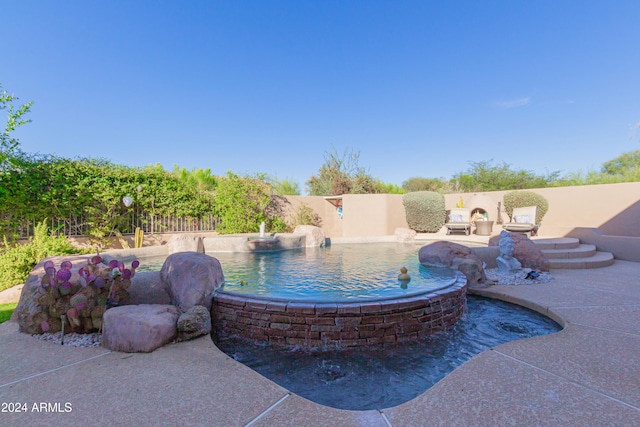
column 586, row 375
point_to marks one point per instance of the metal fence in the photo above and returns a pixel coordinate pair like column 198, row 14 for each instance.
column 151, row 224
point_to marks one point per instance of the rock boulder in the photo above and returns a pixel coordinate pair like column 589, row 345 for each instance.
column 455, row 256
column 190, row 278
column 139, row 328
column 195, row 322
column 314, row 235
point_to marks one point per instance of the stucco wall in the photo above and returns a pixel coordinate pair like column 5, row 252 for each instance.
column 614, row 209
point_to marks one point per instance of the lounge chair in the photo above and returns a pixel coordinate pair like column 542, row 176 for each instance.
column 523, row 220
column 459, row 220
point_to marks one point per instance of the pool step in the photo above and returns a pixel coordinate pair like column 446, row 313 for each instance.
column 569, row 253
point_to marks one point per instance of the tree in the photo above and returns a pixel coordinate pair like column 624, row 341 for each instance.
column 483, row 176
column 201, row 179
column 8, row 145
column 626, row 163
column 282, row 187
column 416, row 183
column 244, row 202
column 341, row 174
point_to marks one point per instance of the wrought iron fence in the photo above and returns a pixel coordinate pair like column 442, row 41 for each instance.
column 153, row 224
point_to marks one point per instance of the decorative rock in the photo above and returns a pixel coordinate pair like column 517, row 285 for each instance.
column 185, row 243
column 526, row 252
column 195, row 322
column 146, row 288
column 455, row 256
column 139, row 328
column 405, row 234
column 190, row 278
column 314, row 235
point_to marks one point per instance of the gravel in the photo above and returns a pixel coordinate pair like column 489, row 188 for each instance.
column 72, row 339
column 517, row 278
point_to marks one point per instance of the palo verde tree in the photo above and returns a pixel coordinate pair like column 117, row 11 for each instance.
column 341, row 174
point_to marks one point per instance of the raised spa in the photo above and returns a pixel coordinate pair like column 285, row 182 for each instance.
column 343, row 295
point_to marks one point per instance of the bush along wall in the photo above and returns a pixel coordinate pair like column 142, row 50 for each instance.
column 425, row 211
column 521, row 199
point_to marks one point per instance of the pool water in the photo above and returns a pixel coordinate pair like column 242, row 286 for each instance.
column 336, row 273
column 378, row 377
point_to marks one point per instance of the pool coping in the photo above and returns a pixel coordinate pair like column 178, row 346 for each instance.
column 587, row 374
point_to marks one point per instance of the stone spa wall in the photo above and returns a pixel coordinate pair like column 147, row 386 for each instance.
column 341, row 324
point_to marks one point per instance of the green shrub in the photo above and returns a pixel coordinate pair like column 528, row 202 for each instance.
column 304, row 215
column 16, row 262
column 425, row 211
column 521, row 199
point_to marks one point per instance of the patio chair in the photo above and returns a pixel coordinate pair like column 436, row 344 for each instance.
column 459, row 220
column 523, row 220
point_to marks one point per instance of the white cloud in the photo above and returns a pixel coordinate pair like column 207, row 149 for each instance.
column 513, row 103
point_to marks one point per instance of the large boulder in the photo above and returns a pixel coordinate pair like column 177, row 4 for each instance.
column 525, row 251
column 146, row 288
column 405, row 235
column 195, row 322
column 139, row 328
column 185, row 243
column 314, row 236
column 455, row 256
column 191, row 278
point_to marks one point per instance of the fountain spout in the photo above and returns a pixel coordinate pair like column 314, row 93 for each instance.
column 262, row 229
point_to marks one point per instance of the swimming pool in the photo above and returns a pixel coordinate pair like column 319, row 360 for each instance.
column 341, row 296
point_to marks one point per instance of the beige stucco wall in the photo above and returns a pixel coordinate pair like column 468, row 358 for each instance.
column 372, row 214
column 614, row 209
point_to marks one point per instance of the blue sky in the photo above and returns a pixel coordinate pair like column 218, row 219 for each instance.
column 419, row 88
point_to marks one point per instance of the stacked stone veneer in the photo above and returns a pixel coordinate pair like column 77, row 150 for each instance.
column 339, row 324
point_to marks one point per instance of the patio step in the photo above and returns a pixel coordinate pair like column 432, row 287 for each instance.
column 581, row 251
column 569, row 253
column 600, row 259
column 556, row 243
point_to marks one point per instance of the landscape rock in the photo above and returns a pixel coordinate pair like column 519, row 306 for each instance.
column 405, row 234
column 525, row 251
column 146, row 288
column 455, row 256
column 195, row 322
column 314, row 235
column 185, row 243
column 191, row 278
column 139, row 328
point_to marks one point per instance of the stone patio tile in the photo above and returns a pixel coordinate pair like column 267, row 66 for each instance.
column 621, row 277
column 494, row 390
column 561, row 294
column 624, row 318
column 22, row 355
column 186, row 384
column 602, row 360
column 296, row 411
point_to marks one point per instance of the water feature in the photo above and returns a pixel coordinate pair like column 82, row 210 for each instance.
column 378, row 377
